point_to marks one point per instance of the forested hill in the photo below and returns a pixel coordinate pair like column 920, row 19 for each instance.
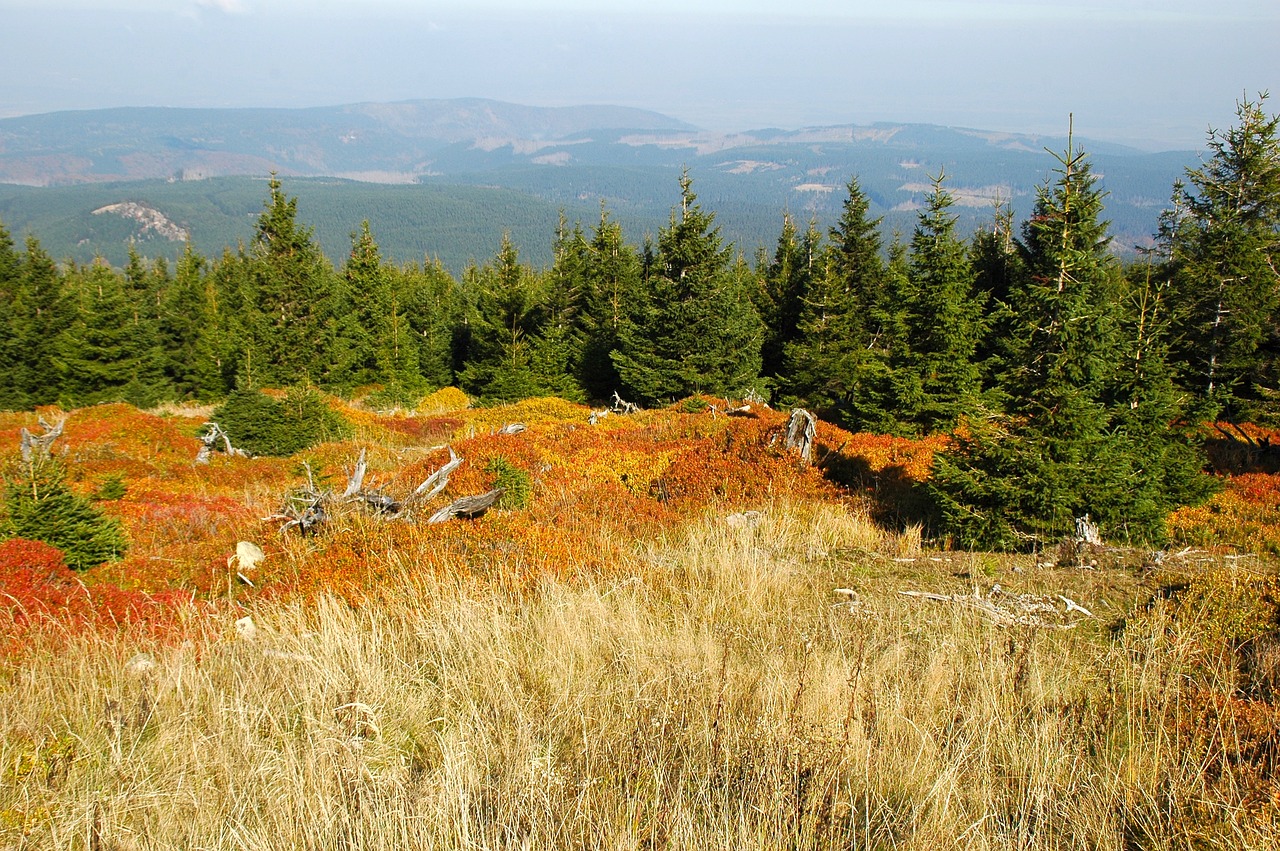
column 473, row 169
column 392, row 142
column 1046, row 359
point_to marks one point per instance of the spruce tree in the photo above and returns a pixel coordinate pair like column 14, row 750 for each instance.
column 228, row 355
column 994, row 259
column 40, row 507
column 145, row 284
column 185, row 328
column 558, row 347
column 10, row 396
column 10, row 263
column 1157, row 418
column 1222, row 238
column 290, row 331
column 109, row 351
column 613, row 276
column 696, row 329
column 855, row 244
column 354, row 315
column 784, row 283
column 834, row 357
column 503, row 326
column 1063, row 344
column 1065, row 445
column 376, row 342
column 41, row 312
column 877, row 403
column 431, row 302
column 935, row 374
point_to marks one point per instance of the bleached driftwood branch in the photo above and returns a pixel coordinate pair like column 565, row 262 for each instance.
column 309, row 508
column 355, row 482
column 41, row 444
column 306, row 510
column 375, row 499
column 1004, row 609
column 469, row 507
column 802, row 433
column 622, row 406
column 209, row 443
column 619, row 406
column 437, row 481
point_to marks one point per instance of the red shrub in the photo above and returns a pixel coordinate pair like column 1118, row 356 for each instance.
column 38, row 590
column 35, row 582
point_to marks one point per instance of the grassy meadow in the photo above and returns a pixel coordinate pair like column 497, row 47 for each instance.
column 684, row 637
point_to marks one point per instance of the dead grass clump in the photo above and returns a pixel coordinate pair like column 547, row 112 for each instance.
column 198, row 411
column 712, row 692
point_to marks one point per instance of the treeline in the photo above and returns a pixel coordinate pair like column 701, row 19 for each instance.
column 1050, row 361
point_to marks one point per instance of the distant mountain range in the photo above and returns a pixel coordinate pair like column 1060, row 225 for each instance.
column 386, row 143
column 540, row 161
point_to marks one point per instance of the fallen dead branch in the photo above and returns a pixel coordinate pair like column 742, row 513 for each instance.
column 375, row 499
column 305, row 510
column 469, row 507
column 731, row 410
column 356, row 480
column 436, row 482
column 309, row 508
column 622, row 406
column 1005, row 609
column 41, row 444
column 213, row 435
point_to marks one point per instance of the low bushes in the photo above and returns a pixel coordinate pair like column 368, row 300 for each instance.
column 261, row 425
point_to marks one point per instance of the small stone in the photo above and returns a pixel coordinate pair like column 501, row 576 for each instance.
column 140, row 665
column 743, row 520
column 246, row 628
column 248, row 555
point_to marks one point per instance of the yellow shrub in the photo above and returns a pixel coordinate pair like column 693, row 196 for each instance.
column 543, row 409
column 443, row 401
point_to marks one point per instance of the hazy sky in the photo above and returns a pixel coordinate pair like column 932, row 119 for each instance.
column 1157, row 73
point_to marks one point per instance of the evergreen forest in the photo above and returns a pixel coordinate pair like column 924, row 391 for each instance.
column 1071, row 383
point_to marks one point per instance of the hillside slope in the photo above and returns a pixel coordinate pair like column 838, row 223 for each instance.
column 571, row 158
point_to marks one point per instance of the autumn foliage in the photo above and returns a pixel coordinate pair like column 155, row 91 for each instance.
column 594, row 491
column 618, row 594
column 37, row 589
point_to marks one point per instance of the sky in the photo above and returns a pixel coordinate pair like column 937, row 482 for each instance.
column 1158, row 74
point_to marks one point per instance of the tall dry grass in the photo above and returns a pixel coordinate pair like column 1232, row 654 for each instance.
column 712, row 693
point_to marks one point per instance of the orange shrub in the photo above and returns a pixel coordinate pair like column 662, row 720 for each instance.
column 173, row 537
column 595, row 491
column 35, row 582
column 1244, row 515
column 429, row 430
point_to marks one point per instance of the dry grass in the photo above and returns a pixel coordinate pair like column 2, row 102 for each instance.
column 199, row 411
column 712, row 693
